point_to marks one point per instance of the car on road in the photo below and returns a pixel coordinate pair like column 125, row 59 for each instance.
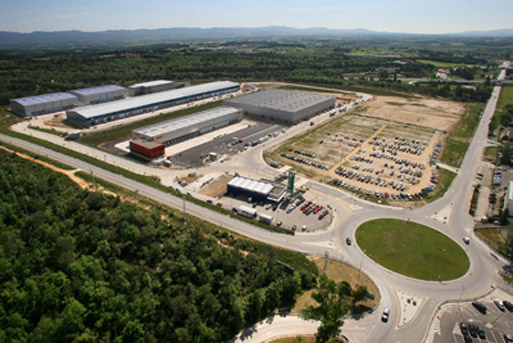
column 464, row 329
column 499, row 304
column 508, row 305
column 386, row 314
column 479, row 306
column 348, row 241
column 466, row 240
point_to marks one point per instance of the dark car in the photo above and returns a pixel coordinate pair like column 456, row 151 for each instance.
column 481, row 333
column 467, row 338
column 479, row 306
column 473, row 329
column 464, row 329
column 348, row 241
column 508, row 305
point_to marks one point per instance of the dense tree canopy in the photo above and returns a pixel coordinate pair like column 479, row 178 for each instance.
column 78, row 266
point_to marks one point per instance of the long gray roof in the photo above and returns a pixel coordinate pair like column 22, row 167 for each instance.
column 150, row 99
column 185, row 121
column 98, row 90
column 44, row 98
column 151, row 83
column 280, row 99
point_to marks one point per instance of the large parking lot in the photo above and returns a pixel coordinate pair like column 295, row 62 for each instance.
column 489, row 327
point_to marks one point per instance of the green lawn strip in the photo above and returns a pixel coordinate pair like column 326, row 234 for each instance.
column 97, row 138
column 52, row 132
column 491, row 152
column 441, row 64
column 459, row 140
column 412, row 249
column 505, row 98
column 37, row 156
column 355, row 88
column 147, row 180
column 492, row 236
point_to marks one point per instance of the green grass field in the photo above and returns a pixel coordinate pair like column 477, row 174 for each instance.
column 459, row 140
column 125, row 131
column 441, row 64
column 506, row 97
column 412, row 249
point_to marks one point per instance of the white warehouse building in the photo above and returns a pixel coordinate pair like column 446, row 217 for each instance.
column 42, row 104
column 97, row 114
column 153, row 87
column 95, row 95
column 285, row 105
column 180, row 129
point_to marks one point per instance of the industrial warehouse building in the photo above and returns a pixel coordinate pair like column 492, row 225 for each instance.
column 95, row 95
column 42, row 104
column 258, row 190
column 180, row 129
column 153, row 87
column 147, row 150
column 96, row 114
column 284, row 105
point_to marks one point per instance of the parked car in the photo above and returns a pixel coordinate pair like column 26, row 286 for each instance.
column 473, row 329
column 508, row 338
column 464, row 329
column 508, row 305
column 479, row 306
column 499, row 304
column 481, row 333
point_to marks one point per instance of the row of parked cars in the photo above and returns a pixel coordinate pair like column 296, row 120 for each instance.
column 413, row 147
column 311, row 207
column 305, row 161
column 472, row 330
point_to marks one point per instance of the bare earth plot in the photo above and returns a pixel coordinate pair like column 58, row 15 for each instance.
column 388, row 146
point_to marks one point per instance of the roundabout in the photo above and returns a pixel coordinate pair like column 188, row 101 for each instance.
column 412, row 249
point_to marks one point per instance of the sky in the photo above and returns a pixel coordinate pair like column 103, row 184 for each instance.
column 412, row 16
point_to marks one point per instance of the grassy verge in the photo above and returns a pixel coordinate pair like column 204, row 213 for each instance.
column 147, row 180
column 440, row 64
column 445, row 178
column 459, row 140
column 52, row 132
column 505, row 98
column 491, row 153
column 412, row 249
column 37, row 156
column 494, row 238
column 353, row 88
column 97, row 138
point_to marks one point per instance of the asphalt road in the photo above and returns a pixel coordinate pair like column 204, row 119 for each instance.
column 481, row 276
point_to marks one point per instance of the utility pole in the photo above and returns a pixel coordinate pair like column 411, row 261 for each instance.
column 326, row 255
column 94, row 181
column 183, row 208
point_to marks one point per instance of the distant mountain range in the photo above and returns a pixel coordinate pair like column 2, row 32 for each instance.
column 57, row 38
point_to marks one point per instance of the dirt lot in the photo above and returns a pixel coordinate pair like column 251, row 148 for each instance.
column 432, row 113
column 338, row 272
column 216, row 187
column 385, row 153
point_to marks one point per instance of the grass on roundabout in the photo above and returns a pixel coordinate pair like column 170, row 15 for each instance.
column 412, row 249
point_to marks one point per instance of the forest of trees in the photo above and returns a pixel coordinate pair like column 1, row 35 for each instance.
column 25, row 73
column 80, row 266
